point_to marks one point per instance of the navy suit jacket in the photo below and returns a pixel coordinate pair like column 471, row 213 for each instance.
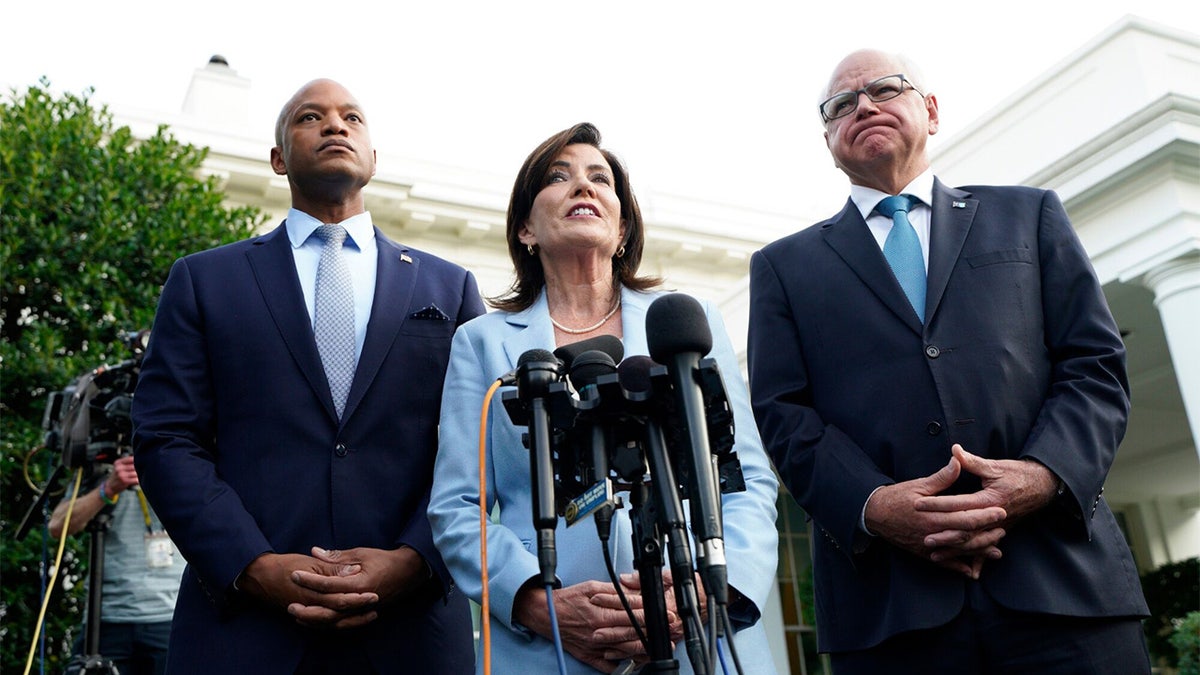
column 1019, row 358
column 239, row 449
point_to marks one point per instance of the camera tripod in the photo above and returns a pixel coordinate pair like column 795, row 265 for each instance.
column 90, row 662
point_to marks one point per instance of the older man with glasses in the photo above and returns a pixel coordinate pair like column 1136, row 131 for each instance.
column 942, row 387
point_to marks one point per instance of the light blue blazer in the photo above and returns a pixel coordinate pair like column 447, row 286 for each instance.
column 488, row 347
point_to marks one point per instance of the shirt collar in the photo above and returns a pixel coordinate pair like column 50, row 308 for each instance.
column 300, row 226
column 866, row 199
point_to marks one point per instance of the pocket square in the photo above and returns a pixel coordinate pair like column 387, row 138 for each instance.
column 431, row 313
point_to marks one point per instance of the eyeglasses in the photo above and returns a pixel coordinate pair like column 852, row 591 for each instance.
column 883, row 89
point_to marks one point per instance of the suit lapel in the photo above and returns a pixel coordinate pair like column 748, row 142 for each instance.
column 953, row 212
column 633, row 321
column 533, row 331
column 395, row 282
column 851, row 239
column 274, row 268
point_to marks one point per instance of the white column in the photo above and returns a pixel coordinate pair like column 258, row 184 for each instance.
column 1176, row 287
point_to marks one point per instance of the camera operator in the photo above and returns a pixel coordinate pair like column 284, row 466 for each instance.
column 142, row 569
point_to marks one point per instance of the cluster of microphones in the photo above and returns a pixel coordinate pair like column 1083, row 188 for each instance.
column 660, row 425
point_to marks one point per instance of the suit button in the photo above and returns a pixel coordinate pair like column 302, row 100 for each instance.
column 340, row 450
column 933, row 428
column 932, row 352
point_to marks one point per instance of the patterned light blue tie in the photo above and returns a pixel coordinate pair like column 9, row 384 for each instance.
column 902, row 249
column 334, row 310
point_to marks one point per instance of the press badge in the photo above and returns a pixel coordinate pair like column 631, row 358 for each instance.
column 159, row 552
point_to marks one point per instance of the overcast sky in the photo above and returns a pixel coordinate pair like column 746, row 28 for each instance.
column 712, row 101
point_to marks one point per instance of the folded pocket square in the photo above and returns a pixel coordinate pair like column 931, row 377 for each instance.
column 431, row 312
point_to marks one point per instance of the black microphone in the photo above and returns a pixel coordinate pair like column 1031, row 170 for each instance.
column 638, row 379
column 537, row 369
column 609, row 344
column 591, row 432
column 678, row 336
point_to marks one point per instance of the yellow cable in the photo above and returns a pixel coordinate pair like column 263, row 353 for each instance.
column 485, row 624
column 62, row 542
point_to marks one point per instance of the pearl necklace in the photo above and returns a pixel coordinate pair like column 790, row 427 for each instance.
column 578, row 331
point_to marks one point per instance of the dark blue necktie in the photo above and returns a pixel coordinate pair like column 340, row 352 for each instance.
column 903, row 250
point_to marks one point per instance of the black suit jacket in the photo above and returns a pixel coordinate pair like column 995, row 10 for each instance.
column 239, row 449
column 1019, row 358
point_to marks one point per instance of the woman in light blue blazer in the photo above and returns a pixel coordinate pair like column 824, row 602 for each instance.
column 575, row 235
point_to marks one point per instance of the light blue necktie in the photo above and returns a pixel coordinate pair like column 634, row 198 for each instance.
column 903, row 250
column 333, row 323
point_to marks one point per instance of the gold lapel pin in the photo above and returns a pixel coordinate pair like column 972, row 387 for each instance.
column 404, row 258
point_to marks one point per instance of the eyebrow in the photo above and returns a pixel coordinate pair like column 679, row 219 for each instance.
column 591, row 167
column 342, row 109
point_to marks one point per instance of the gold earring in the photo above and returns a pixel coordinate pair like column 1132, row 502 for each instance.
column 621, row 251
column 529, row 247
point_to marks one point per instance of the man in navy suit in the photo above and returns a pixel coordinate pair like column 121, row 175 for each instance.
column 945, row 407
column 302, row 518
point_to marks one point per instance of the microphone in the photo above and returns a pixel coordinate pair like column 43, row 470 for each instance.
column 637, row 376
column 537, row 369
column 585, row 370
column 609, row 344
column 678, row 336
column 635, row 373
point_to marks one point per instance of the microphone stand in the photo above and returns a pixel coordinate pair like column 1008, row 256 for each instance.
column 679, row 551
column 648, row 560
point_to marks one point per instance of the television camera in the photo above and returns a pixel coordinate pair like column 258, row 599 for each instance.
column 88, row 422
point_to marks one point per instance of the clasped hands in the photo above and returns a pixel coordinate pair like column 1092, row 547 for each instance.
column 960, row 532
column 592, row 622
column 334, row 589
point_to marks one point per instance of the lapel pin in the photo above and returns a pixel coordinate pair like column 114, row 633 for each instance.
column 958, row 205
column 404, row 258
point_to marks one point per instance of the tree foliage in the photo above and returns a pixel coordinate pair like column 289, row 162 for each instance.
column 1172, row 593
column 91, row 219
column 1186, row 640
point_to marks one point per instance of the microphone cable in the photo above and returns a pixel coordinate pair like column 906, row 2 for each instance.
column 484, row 605
column 603, row 518
column 62, row 544
column 485, row 624
column 737, row 663
column 558, row 648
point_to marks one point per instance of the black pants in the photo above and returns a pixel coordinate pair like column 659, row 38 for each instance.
column 134, row 648
column 336, row 653
column 987, row 639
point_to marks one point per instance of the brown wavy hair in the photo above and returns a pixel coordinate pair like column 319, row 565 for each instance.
column 529, row 278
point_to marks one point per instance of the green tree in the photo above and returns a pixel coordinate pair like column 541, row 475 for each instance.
column 91, row 219
column 1172, row 593
column 1186, row 640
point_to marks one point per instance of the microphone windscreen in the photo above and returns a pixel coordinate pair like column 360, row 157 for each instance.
column 676, row 324
column 634, row 373
column 609, row 344
column 589, row 366
column 536, row 356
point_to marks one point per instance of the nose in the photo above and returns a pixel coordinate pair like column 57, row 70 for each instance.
column 865, row 105
column 334, row 125
column 583, row 186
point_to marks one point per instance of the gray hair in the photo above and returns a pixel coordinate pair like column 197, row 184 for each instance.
column 907, row 66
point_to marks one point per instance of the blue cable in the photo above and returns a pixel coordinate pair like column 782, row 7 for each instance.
column 721, row 658
column 558, row 650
